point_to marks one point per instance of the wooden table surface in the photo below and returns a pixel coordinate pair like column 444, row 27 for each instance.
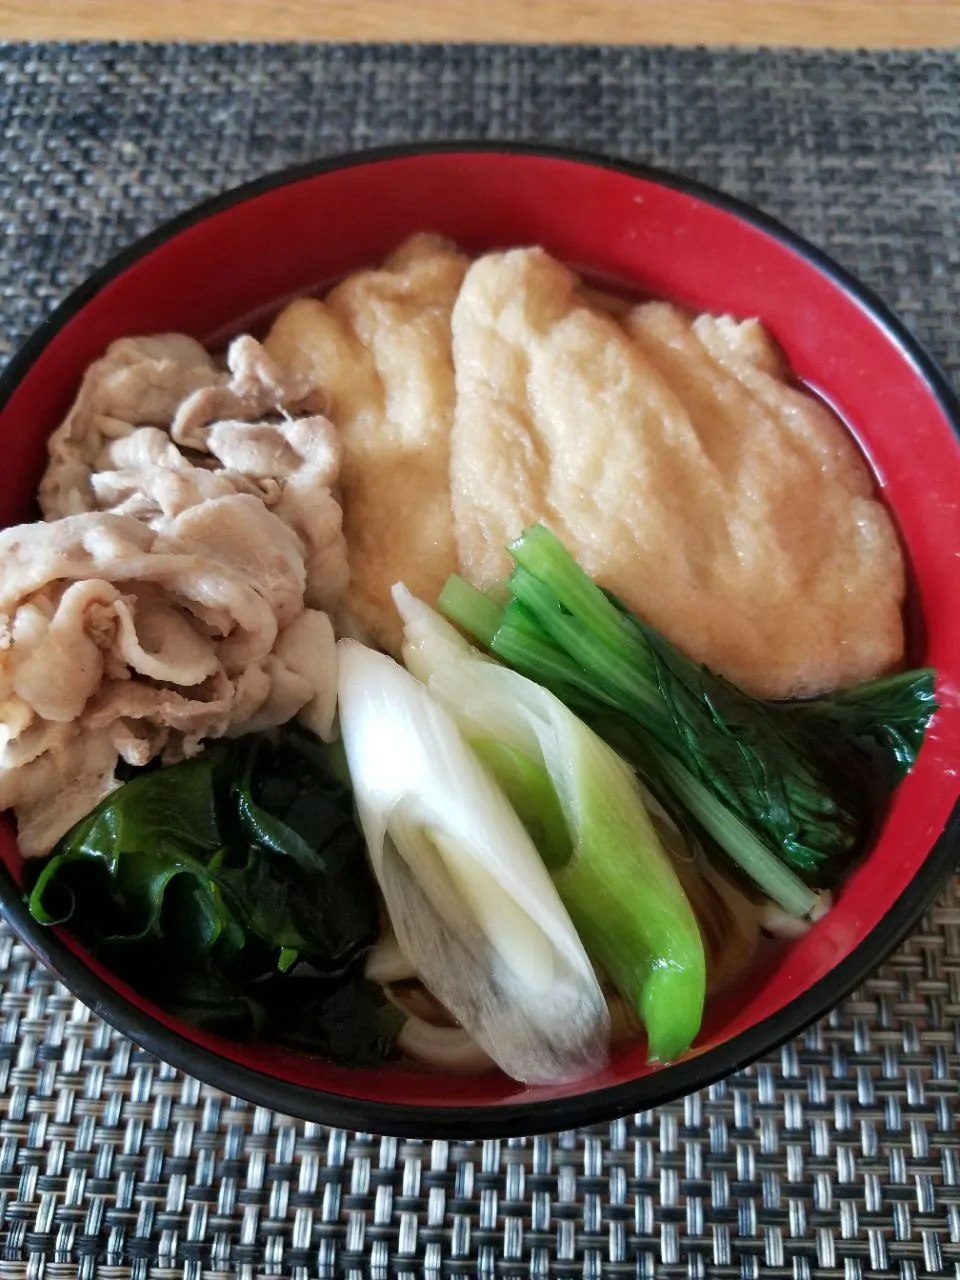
column 870, row 23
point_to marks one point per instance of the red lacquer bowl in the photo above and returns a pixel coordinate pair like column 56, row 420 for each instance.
column 232, row 258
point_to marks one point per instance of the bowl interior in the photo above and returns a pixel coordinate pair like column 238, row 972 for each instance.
column 240, row 259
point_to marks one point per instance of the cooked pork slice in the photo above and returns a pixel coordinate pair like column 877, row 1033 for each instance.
column 254, row 387
column 116, row 640
column 137, row 382
column 58, row 788
column 205, row 432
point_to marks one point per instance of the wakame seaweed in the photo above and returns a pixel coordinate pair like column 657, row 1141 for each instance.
column 203, row 884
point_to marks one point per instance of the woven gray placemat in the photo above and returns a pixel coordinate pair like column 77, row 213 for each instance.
column 835, row 1157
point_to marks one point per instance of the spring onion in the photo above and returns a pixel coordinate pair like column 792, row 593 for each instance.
column 606, row 859
column 471, row 904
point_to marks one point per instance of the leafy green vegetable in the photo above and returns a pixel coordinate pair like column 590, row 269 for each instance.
column 479, row 614
column 754, row 762
column 197, row 882
column 788, row 780
column 893, row 713
column 596, row 702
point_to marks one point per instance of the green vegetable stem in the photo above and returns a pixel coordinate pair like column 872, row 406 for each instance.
column 783, row 789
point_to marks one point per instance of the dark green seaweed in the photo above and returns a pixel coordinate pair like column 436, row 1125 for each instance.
column 204, row 884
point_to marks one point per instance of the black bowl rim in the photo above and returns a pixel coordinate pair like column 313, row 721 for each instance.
column 511, row 1118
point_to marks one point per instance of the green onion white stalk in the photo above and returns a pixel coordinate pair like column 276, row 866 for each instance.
column 471, row 904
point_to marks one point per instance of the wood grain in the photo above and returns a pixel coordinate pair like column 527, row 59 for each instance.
column 841, row 23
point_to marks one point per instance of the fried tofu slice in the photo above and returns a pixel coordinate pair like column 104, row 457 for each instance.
column 681, row 467
column 380, row 347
